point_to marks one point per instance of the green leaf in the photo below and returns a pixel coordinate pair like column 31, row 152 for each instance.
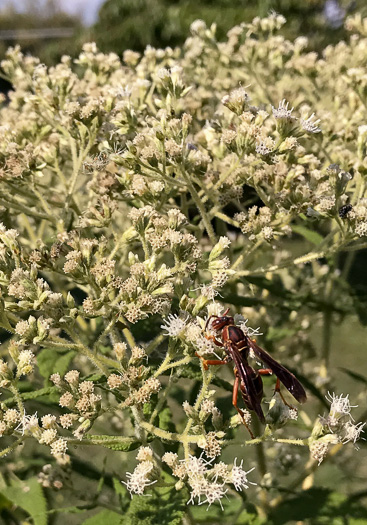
column 278, row 333
column 120, row 443
column 163, row 507
column 105, row 517
column 122, row 493
column 310, row 235
column 96, row 378
column 166, row 420
column 146, row 329
column 223, row 384
column 4, row 503
column 191, row 371
column 274, row 286
column 319, row 505
column 50, row 361
column 27, row 495
column 354, row 375
column 231, row 507
column 239, row 300
column 33, row 395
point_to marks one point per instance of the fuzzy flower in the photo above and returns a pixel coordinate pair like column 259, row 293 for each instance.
column 29, row 425
column 174, row 325
column 26, row 362
column 310, row 125
column 340, row 421
column 207, row 483
column 282, row 111
column 247, row 330
column 352, row 432
column 319, row 450
column 265, row 146
column 139, row 479
column 59, row 447
column 340, row 406
column 238, row 476
column 145, row 454
column 237, row 100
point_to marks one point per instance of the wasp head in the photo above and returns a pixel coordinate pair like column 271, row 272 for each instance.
column 220, row 322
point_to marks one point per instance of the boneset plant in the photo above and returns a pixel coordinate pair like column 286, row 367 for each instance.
column 137, row 199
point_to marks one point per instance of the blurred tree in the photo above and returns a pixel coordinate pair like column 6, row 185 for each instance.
column 40, row 14
column 133, row 24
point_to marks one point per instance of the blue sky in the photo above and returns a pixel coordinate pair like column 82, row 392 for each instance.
column 87, row 9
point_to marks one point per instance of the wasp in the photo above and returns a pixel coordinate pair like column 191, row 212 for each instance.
column 237, row 346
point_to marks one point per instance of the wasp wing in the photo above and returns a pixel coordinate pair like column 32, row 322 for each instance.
column 251, row 383
column 288, row 379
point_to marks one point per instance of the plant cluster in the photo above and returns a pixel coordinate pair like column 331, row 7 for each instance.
column 138, row 197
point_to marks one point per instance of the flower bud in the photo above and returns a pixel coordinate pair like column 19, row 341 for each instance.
column 237, row 101
column 279, row 412
column 190, row 411
column 217, row 419
column 219, row 248
column 70, row 300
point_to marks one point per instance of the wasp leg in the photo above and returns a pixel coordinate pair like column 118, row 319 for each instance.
column 207, row 362
column 215, row 341
column 265, row 371
column 277, row 389
column 234, row 402
column 208, row 321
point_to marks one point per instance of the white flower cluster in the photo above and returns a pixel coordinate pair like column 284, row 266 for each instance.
column 207, row 482
column 141, row 477
column 339, row 421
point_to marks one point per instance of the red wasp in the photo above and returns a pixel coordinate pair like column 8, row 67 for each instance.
column 237, row 346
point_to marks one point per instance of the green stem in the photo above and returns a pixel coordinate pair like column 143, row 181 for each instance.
column 161, row 401
column 138, row 419
column 200, row 206
column 311, row 256
column 129, row 337
column 96, row 360
column 43, row 202
column 24, row 209
column 166, row 364
column 11, row 447
column 154, row 344
column 100, row 441
column 171, row 436
column 207, row 378
column 18, row 398
column 246, row 254
column 261, row 463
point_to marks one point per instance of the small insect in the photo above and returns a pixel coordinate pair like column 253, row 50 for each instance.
column 344, row 210
column 237, row 346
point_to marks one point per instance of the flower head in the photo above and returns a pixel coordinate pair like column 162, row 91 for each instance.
column 174, row 325
column 309, row 125
column 239, row 476
column 352, row 432
column 139, row 479
column 282, row 111
column 29, row 424
column 340, row 405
